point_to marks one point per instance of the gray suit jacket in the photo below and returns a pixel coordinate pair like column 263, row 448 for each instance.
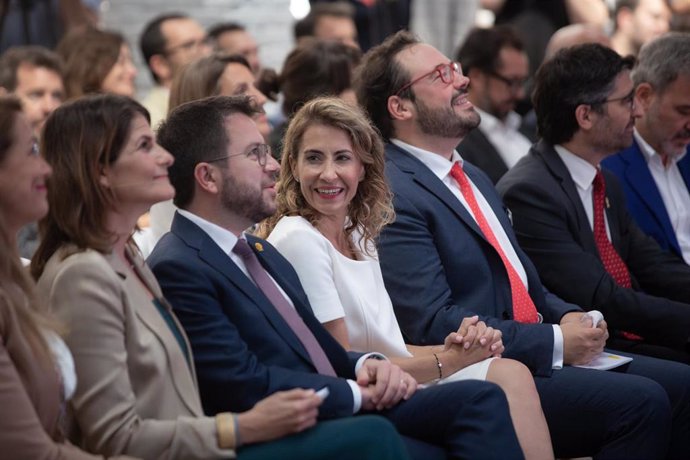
column 137, row 391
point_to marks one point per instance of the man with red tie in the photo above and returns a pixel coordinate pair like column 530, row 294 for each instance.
column 570, row 215
column 451, row 253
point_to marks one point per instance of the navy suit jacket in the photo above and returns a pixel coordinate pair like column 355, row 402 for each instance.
column 439, row 268
column 243, row 348
column 552, row 227
column 642, row 195
column 478, row 150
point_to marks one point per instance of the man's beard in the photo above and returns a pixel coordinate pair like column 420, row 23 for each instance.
column 444, row 122
column 245, row 201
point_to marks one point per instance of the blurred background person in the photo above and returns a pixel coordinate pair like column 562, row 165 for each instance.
column 138, row 392
column 314, row 68
column 169, row 42
column 34, row 75
column 97, row 61
column 636, row 22
column 233, row 38
column 328, row 21
column 496, row 63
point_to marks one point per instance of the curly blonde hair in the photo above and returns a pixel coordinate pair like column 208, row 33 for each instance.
column 371, row 208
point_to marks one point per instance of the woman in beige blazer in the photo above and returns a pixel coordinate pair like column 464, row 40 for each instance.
column 137, row 390
column 35, row 374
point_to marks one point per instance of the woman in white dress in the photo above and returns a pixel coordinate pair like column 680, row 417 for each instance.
column 333, row 201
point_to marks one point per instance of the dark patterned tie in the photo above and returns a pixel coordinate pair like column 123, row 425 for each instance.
column 612, row 262
column 268, row 287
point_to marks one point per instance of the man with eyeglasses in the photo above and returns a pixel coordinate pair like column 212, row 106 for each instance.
column 572, row 220
column 168, row 43
column 248, row 319
column 451, row 253
column 655, row 169
column 496, row 63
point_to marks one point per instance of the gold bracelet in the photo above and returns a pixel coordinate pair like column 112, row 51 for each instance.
column 439, row 365
column 225, row 425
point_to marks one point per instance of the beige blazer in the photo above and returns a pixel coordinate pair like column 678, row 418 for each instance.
column 136, row 392
column 29, row 398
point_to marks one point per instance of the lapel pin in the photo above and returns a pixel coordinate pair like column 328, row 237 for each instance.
column 259, row 247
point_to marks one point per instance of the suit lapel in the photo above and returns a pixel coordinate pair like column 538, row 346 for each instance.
column 181, row 369
column 642, row 184
column 425, row 178
column 558, row 170
column 214, row 256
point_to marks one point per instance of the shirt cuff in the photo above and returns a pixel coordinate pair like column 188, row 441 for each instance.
column 557, row 359
column 356, row 391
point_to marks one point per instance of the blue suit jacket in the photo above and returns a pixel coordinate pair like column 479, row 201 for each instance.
column 642, row 195
column 439, row 268
column 243, row 349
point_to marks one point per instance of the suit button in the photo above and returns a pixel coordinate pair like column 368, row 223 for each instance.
column 505, row 315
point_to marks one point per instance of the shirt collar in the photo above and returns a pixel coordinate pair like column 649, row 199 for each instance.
column 580, row 170
column 224, row 238
column 436, row 163
column 649, row 153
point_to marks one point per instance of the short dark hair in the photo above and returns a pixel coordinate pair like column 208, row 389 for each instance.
column 195, row 132
column 379, row 76
column 152, row 40
column 306, row 26
column 217, row 30
column 583, row 74
column 36, row 56
column 316, row 68
column 482, row 47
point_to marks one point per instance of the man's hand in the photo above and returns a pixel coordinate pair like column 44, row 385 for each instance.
column 282, row 413
column 581, row 341
column 383, row 384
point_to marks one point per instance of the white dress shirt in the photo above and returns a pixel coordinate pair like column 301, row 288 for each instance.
column 510, row 143
column 226, row 240
column 674, row 193
column 441, row 167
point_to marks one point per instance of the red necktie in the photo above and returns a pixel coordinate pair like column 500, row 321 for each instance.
column 289, row 314
column 612, row 262
column 524, row 310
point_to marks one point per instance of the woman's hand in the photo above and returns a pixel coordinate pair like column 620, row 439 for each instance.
column 282, row 413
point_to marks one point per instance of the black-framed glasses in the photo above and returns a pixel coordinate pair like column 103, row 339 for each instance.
column 258, row 153
column 446, row 72
column 514, row 84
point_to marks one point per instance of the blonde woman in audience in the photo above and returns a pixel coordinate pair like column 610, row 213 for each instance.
column 332, row 202
column 97, row 61
column 36, row 369
column 137, row 390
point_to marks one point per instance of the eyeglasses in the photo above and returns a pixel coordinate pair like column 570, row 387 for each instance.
column 258, row 153
column 189, row 45
column 513, row 84
column 628, row 99
column 446, row 72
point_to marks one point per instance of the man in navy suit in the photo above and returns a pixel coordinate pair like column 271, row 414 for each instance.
column 242, row 306
column 451, row 253
column 655, row 170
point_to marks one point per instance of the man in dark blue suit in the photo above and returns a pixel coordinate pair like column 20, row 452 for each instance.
column 655, row 170
column 247, row 317
column 451, row 253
